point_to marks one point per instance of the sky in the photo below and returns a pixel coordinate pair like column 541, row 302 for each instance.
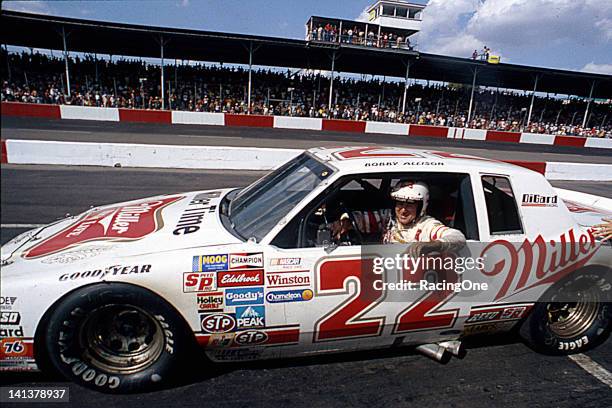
column 565, row 34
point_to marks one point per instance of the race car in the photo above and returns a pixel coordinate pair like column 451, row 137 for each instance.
column 119, row 297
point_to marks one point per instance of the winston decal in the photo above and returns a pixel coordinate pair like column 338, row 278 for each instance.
column 125, row 223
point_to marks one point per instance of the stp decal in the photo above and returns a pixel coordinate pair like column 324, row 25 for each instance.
column 125, row 223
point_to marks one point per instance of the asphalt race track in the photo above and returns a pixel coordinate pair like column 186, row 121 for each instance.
column 506, row 374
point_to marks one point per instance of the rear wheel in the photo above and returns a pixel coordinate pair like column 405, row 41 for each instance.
column 116, row 338
column 573, row 316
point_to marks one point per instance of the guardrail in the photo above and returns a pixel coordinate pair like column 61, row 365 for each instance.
column 288, row 122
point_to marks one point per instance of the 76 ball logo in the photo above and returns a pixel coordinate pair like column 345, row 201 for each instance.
column 199, row 282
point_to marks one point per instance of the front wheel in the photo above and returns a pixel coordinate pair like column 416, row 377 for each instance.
column 574, row 315
column 116, row 338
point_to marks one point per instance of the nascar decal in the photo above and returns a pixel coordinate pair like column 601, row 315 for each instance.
column 246, row 261
column 210, row 263
column 125, row 223
column 254, row 277
column 285, row 264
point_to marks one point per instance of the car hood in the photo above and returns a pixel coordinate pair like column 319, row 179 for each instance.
column 150, row 225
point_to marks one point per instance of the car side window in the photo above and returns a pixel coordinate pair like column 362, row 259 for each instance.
column 502, row 210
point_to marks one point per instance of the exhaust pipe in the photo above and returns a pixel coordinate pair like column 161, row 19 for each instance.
column 455, row 347
column 435, row 352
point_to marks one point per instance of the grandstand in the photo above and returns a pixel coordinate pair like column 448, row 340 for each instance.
column 447, row 100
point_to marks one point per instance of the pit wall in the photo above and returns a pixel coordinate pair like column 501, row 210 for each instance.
column 285, row 122
column 217, row 157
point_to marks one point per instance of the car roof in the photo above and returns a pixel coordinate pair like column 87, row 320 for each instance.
column 357, row 159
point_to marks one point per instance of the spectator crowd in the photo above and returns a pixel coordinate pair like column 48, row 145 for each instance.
column 132, row 83
column 357, row 35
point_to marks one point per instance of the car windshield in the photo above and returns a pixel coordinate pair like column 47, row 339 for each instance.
column 260, row 206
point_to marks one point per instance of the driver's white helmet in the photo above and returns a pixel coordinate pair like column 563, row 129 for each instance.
column 412, row 191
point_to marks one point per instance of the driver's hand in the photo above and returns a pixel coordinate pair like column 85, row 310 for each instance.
column 417, row 249
column 604, row 230
column 343, row 226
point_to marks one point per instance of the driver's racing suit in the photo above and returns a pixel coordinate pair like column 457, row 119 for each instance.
column 424, row 229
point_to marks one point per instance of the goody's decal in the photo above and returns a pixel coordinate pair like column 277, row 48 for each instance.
column 282, row 296
column 210, row 263
column 250, row 317
column 244, row 296
column 125, row 223
column 246, row 260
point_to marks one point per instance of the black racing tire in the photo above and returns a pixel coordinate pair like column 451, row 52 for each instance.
column 117, row 338
column 573, row 316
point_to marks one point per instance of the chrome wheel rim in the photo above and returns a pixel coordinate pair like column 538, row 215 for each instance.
column 121, row 339
column 572, row 319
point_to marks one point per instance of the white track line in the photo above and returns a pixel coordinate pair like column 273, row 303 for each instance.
column 592, row 368
column 22, row 225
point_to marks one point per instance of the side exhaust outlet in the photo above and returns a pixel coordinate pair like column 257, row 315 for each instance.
column 435, row 352
column 454, row 347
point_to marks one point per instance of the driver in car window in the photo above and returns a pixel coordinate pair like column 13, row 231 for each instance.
column 411, row 224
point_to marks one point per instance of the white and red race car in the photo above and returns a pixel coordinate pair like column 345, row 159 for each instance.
column 118, row 297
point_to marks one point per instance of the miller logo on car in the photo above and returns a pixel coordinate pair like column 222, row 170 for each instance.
column 246, row 261
column 125, row 223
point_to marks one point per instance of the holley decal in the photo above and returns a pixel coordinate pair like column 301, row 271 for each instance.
column 125, row 223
